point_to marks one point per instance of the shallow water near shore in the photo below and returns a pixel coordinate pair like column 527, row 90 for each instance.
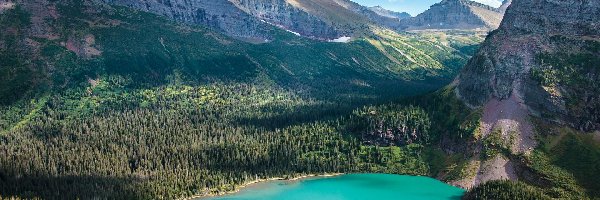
column 349, row 187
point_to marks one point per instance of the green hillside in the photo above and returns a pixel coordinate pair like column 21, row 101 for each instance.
column 123, row 104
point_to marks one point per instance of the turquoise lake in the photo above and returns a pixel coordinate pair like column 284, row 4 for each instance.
column 349, row 187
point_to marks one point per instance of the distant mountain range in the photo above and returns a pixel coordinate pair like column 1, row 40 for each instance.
column 388, row 13
column 317, row 19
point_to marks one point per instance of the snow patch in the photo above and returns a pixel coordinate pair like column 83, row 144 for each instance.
column 343, row 39
column 281, row 27
column 295, row 33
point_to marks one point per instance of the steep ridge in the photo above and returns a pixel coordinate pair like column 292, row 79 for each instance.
column 345, row 16
column 542, row 61
column 286, row 16
column 221, row 15
column 455, row 14
column 318, row 19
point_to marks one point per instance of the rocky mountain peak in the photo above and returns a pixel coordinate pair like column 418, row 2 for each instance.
column 455, row 14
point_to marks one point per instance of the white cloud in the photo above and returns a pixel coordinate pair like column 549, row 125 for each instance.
column 494, row 3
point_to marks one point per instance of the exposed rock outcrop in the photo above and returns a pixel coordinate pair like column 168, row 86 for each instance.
column 503, row 64
column 218, row 14
column 288, row 17
column 455, row 14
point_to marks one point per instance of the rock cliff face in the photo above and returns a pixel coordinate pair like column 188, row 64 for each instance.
column 503, row 67
column 218, row 14
column 455, row 14
column 252, row 18
column 346, row 17
column 241, row 18
column 286, row 16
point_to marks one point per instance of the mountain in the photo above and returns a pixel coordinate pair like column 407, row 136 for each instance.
column 398, row 57
column 388, row 13
column 243, row 18
column 533, row 79
column 525, row 60
column 250, row 19
column 455, row 14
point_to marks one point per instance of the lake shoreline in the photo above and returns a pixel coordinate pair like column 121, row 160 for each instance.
column 242, row 186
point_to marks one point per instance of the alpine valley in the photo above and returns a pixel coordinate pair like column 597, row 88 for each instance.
column 178, row 99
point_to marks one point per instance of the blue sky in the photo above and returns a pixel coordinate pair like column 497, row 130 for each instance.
column 414, row 7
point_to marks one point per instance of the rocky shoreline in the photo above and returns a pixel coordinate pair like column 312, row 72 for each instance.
column 242, row 186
